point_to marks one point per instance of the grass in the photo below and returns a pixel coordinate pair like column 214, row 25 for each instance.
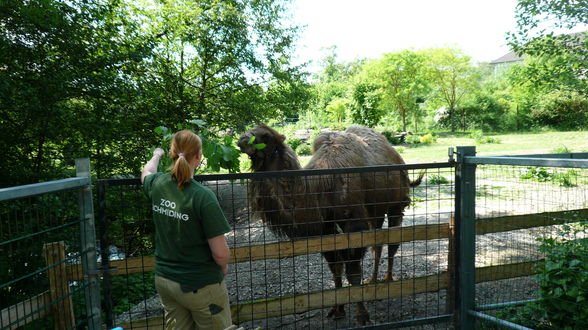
column 510, row 144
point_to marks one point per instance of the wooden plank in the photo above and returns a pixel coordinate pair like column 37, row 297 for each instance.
column 31, row 309
column 502, row 272
column 62, row 311
column 264, row 308
column 119, row 267
column 292, row 248
column 302, row 303
column 524, row 221
column 338, row 242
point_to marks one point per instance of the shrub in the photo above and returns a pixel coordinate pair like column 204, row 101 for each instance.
column 479, row 137
column 561, row 150
column 304, row 150
column 391, row 138
column 428, row 139
column 561, row 109
column 437, row 179
column 563, row 278
column 400, row 149
column 294, row 142
column 565, row 179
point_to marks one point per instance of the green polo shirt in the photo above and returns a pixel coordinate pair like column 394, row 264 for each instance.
column 184, row 221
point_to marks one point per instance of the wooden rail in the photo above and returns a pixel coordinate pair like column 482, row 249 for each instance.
column 272, row 307
column 35, row 307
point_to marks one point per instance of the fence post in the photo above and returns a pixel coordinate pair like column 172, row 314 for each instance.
column 465, row 234
column 103, row 225
column 88, row 247
column 62, row 311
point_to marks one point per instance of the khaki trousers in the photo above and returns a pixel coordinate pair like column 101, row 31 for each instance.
column 207, row 308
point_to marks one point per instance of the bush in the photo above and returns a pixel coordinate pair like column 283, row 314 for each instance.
column 436, row 179
column 561, row 150
column 294, row 142
column 304, row 150
column 563, row 279
column 565, row 179
column 428, row 139
column 479, row 137
column 391, row 138
column 561, row 109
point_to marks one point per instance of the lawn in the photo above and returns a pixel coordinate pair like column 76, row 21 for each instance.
column 510, row 144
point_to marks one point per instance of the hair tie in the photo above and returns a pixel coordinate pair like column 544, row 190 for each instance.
column 181, row 154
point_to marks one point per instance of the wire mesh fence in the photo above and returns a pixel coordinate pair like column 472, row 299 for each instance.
column 280, row 276
column 521, row 211
column 40, row 241
column 305, row 258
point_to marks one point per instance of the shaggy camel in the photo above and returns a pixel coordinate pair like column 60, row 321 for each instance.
column 297, row 207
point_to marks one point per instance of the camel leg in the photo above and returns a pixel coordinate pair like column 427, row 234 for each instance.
column 393, row 221
column 377, row 253
column 353, row 273
column 336, row 267
column 392, row 248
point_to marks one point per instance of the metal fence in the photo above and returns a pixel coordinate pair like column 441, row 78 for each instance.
column 46, row 230
column 511, row 208
column 467, row 248
column 279, row 282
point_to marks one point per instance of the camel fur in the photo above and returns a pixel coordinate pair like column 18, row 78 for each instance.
column 296, row 207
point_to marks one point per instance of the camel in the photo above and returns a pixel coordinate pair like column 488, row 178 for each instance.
column 297, row 207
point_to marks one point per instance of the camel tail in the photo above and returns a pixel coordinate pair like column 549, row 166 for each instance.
column 419, row 180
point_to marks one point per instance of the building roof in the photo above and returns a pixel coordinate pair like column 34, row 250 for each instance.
column 513, row 57
column 507, row 58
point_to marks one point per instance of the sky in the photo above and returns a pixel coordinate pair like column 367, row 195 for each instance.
column 370, row 28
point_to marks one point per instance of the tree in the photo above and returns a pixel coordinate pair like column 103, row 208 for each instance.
column 453, row 76
column 401, row 77
column 537, row 21
column 215, row 59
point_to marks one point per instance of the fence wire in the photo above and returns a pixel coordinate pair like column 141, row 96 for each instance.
column 519, row 209
column 284, row 282
column 39, row 243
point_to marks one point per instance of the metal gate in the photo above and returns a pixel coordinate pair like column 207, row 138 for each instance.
column 48, row 265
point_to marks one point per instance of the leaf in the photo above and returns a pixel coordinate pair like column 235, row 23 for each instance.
column 198, row 122
column 251, row 139
column 260, row 146
column 161, row 130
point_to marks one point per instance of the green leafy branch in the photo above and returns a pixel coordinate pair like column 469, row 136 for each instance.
column 219, row 152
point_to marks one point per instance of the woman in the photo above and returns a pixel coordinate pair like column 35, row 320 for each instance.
column 191, row 253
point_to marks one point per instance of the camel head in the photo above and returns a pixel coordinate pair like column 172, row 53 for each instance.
column 263, row 144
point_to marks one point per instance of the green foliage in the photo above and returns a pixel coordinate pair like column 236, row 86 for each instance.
column 436, row 179
column 561, row 109
column 561, row 150
column 480, row 138
column 304, row 149
column 294, row 142
column 390, row 136
column 534, row 36
column 428, row 139
column 400, row 149
column 563, row 278
column 218, row 152
column 540, row 174
column 366, row 102
column 337, row 110
column 129, row 290
column 483, row 110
